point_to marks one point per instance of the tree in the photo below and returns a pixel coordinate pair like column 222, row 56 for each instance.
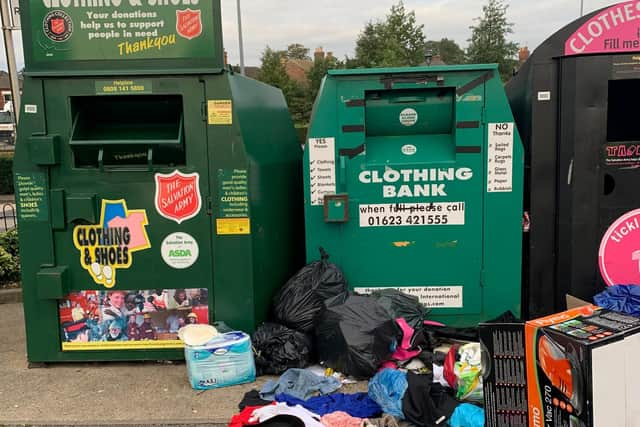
column 397, row 41
column 488, row 42
column 272, row 69
column 297, row 51
column 274, row 73
column 317, row 73
column 449, row 51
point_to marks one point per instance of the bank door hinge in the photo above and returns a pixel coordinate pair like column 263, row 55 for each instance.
column 204, row 111
column 209, row 206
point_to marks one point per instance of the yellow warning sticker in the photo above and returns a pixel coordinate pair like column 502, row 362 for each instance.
column 220, row 112
column 233, row 226
column 123, row 345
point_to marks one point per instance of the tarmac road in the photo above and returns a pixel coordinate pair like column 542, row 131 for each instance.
column 129, row 394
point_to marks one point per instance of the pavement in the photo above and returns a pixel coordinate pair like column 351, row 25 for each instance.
column 105, row 394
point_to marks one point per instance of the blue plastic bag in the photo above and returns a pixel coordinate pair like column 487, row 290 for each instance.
column 467, row 415
column 623, row 299
column 387, row 389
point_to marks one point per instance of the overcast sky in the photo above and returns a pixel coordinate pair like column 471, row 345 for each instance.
column 335, row 24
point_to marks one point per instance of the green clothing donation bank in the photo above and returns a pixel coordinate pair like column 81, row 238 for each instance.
column 155, row 188
column 413, row 180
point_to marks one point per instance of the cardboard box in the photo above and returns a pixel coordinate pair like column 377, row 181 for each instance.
column 573, row 369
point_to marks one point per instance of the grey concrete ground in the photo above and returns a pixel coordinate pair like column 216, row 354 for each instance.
column 130, row 394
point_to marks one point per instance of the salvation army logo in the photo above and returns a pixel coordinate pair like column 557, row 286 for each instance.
column 619, row 256
column 57, row 26
column 178, row 196
column 189, row 23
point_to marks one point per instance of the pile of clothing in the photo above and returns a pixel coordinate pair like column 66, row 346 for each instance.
column 420, row 372
column 395, row 399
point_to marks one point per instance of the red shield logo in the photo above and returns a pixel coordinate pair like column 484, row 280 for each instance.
column 178, row 196
column 189, row 23
column 58, row 26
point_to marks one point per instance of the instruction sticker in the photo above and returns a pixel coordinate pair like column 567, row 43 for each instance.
column 500, row 158
column 233, row 226
column 178, row 196
column 220, row 112
column 109, row 246
column 322, row 169
column 123, row 87
column 180, row 251
column 31, row 197
column 233, row 215
column 412, row 214
column 429, row 296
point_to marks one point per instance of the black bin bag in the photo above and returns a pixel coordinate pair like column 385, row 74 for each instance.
column 278, row 348
column 301, row 300
column 399, row 304
column 356, row 337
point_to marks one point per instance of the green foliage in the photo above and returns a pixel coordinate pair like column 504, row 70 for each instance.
column 6, row 174
column 488, row 42
column 297, row 51
column 300, row 106
column 274, row 73
column 317, row 73
column 9, row 242
column 9, row 260
column 272, row 70
column 449, row 51
column 396, row 42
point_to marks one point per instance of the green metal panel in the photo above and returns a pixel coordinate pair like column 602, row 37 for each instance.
column 248, row 229
column 413, row 152
column 142, row 165
column 121, row 37
column 260, row 262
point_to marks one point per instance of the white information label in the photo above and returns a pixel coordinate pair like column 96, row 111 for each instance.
column 408, row 117
column 429, row 296
column 322, row 169
column 409, row 150
column 544, row 96
column 500, row 158
column 31, row 109
column 412, row 214
column 180, row 251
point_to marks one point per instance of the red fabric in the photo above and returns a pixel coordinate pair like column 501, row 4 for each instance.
column 242, row 419
column 449, row 367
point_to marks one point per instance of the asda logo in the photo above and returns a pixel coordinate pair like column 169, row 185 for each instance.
column 180, row 253
column 180, row 250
